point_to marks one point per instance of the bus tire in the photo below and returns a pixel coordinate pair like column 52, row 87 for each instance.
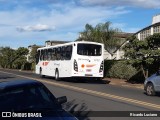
column 40, row 71
column 56, row 75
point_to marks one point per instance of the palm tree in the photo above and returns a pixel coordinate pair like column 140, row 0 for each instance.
column 103, row 33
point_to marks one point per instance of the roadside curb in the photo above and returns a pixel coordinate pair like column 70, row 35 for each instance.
column 123, row 83
column 127, row 85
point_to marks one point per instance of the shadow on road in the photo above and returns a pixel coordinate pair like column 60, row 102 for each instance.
column 6, row 77
column 157, row 94
column 81, row 80
column 78, row 110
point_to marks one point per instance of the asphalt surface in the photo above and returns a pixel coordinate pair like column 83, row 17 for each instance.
column 94, row 96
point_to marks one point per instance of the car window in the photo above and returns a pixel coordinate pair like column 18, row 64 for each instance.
column 20, row 98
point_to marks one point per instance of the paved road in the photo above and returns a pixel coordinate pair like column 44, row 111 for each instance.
column 94, row 96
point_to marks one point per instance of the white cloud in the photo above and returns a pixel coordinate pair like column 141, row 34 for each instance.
column 118, row 25
column 124, row 27
column 136, row 3
column 38, row 27
column 131, row 30
column 75, row 17
column 68, row 22
column 72, row 17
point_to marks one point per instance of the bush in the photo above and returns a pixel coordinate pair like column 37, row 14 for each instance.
column 107, row 66
column 138, row 77
column 27, row 66
column 122, row 70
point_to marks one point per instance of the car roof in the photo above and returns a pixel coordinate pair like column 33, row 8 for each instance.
column 17, row 83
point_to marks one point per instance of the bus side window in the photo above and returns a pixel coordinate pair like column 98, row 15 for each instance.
column 68, row 52
column 42, row 55
column 63, row 53
column 45, row 54
column 56, row 53
column 49, row 54
column 53, row 54
column 59, row 53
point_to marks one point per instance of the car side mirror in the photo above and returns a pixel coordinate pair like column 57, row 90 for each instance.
column 158, row 73
column 62, row 99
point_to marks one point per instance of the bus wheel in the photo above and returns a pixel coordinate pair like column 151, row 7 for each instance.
column 56, row 75
column 42, row 76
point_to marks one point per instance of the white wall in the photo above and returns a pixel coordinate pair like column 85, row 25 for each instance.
column 119, row 54
column 156, row 19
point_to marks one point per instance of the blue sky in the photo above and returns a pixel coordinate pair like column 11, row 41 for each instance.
column 28, row 22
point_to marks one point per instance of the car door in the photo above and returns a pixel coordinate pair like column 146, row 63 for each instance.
column 157, row 83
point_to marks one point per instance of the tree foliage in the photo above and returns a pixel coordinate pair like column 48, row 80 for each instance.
column 103, row 33
column 32, row 56
column 10, row 58
column 6, row 56
column 144, row 53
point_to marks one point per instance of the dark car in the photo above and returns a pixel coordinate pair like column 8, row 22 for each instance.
column 31, row 99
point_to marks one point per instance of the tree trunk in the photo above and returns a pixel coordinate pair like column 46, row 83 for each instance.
column 145, row 72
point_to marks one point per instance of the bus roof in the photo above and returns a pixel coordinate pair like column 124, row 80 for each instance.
column 69, row 43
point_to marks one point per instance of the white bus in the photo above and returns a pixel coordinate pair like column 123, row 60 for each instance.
column 74, row 59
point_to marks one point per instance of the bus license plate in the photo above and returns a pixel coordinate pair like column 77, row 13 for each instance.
column 88, row 75
column 88, row 70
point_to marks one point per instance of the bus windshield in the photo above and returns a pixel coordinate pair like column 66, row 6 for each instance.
column 89, row 49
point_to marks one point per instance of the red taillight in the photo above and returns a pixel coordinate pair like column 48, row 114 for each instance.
column 75, row 66
column 101, row 67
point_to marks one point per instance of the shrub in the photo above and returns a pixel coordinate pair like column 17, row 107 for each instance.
column 137, row 78
column 107, row 66
column 33, row 66
column 27, row 66
column 122, row 70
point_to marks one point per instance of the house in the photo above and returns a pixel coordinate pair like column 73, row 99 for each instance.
column 151, row 29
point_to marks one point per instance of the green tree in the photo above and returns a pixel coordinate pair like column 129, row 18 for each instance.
column 103, row 33
column 9, row 56
column 19, row 62
column 32, row 56
column 20, row 56
column 6, row 57
column 144, row 53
